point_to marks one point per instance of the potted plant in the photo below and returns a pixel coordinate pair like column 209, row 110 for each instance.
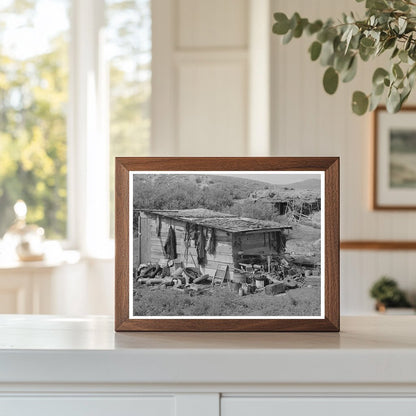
column 387, row 294
column 389, row 27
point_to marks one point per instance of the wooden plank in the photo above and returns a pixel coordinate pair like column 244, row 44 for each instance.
column 144, row 246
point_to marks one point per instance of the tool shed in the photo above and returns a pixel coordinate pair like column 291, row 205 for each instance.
column 205, row 238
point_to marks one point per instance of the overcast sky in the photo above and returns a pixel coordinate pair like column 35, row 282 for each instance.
column 280, row 178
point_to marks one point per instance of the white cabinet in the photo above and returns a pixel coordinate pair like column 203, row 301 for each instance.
column 80, row 366
column 269, row 406
column 88, row 406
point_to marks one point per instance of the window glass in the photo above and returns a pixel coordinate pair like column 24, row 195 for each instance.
column 33, row 104
column 129, row 45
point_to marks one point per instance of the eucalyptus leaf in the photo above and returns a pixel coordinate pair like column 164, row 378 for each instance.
column 359, row 103
column 288, row 37
column 367, row 42
column 397, row 71
column 298, row 30
column 347, row 34
column 330, row 80
column 411, row 78
column 378, row 89
column 411, row 72
column 352, row 32
column 294, row 20
column 395, row 52
column 327, row 53
column 402, row 22
column 315, row 50
column 351, row 72
column 400, row 5
column 314, row 27
column 379, row 75
column 374, row 101
column 389, row 43
column 281, row 27
column 393, row 101
column 412, row 52
column 366, row 53
column 341, row 62
column 376, row 4
column 322, row 36
column 403, row 56
column 404, row 96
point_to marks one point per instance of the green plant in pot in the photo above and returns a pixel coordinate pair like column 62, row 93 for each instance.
column 389, row 27
column 387, row 294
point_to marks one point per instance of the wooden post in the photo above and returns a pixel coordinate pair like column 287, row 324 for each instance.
column 139, row 238
column 269, row 267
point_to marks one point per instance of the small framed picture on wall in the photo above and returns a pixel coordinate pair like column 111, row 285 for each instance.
column 394, row 150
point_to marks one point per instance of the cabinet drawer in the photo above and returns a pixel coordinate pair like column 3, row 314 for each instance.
column 272, row 406
column 87, row 406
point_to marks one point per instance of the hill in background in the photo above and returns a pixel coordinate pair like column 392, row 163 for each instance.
column 230, row 194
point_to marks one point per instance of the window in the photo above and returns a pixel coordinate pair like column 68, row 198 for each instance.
column 129, row 43
column 33, row 103
column 75, row 87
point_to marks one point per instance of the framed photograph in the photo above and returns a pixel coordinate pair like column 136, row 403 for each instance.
column 394, row 178
column 227, row 244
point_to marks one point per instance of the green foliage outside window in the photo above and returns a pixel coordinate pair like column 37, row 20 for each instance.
column 33, row 99
column 34, row 82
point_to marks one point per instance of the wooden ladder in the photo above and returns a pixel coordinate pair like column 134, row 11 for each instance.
column 222, row 273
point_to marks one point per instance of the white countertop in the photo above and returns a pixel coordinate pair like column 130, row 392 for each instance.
column 52, row 349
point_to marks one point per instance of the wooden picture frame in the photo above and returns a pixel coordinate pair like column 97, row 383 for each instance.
column 327, row 168
column 391, row 176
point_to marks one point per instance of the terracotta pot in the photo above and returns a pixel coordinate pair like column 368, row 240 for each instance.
column 380, row 307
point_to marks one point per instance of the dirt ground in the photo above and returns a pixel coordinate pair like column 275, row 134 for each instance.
column 152, row 301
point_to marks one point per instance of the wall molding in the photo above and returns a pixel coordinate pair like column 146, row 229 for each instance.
column 378, row 245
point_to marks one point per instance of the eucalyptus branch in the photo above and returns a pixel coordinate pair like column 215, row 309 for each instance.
column 389, row 25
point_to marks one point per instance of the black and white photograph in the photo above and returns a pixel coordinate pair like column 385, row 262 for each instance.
column 226, row 244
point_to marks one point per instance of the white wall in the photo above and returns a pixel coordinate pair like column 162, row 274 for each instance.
column 308, row 122
column 211, row 92
column 200, row 77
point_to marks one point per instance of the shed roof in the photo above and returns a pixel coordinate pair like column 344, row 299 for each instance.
column 220, row 220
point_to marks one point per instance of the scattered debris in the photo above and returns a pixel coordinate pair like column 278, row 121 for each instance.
column 275, row 288
column 257, row 274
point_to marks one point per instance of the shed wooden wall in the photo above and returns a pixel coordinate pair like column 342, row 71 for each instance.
column 224, row 249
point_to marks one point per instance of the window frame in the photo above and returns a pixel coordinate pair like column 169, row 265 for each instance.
column 87, row 133
column 87, row 128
